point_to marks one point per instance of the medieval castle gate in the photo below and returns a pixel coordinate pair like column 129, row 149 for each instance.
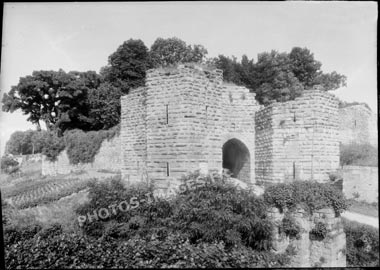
column 186, row 118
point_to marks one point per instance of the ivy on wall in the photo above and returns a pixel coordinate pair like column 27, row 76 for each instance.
column 81, row 146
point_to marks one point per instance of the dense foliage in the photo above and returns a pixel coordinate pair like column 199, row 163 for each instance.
column 55, row 97
column 290, row 227
column 211, row 225
column 278, row 76
column 25, row 142
column 127, row 65
column 358, row 154
column 52, row 248
column 53, row 145
column 217, row 212
column 91, row 101
column 171, row 51
column 8, row 164
column 308, row 195
column 157, row 233
column 82, row 146
column 362, row 248
column 319, row 232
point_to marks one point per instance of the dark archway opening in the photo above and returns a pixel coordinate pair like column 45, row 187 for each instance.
column 236, row 158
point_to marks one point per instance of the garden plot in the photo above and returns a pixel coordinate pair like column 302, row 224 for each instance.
column 43, row 192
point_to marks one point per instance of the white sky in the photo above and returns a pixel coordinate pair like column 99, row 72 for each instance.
column 81, row 36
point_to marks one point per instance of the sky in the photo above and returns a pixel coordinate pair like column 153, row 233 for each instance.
column 81, row 36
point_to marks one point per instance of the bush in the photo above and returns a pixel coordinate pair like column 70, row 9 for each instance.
column 319, row 232
column 362, row 244
column 9, row 165
column 216, row 212
column 290, row 227
column 53, row 248
column 358, row 154
column 309, row 195
column 83, row 146
column 53, row 145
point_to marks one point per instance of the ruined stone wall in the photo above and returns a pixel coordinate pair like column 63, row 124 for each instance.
column 298, row 139
column 133, row 135
column 108, row 158
column 311, row 251
column 361, row 180
column 357, row 124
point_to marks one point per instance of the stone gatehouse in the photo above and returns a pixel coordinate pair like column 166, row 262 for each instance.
column 186, row 118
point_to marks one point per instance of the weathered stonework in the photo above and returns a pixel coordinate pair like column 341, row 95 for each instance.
column 361, row 182
column 311, row 252
column 358, row 124
column 186, row 118
column 297, row 140
column 179, row 123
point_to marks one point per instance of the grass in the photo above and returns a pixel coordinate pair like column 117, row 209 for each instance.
column 364, row 208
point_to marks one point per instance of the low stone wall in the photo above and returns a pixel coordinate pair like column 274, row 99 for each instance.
column 362, row 181
column 329, row 252
column 108, row 158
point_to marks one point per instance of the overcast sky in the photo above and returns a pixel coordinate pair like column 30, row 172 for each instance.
column 81, row 36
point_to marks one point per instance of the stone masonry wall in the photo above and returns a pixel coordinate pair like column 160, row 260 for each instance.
column 357, row 124
column 133, row 135
column 361, row 180
column 298, row 139
column 238, row 121
column 311, row 252
column 183, row 117
column 108, row 158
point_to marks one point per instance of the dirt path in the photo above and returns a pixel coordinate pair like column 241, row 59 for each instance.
column 372, row 221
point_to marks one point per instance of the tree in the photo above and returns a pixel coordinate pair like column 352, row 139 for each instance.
column 25, row 142
column 304, row 67
column 55, row 97
column 279, row 76
column 104, row 104
column 127, row 65
column 171, row 51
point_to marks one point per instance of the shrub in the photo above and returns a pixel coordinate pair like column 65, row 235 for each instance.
column 362, row 244
column 358, row 154
column 319, row 232
column 9, row 165
column 215, row 212
column 52, row 145
column 310, row 195
column 53, row 248
column 290, row 227
column 83, row 146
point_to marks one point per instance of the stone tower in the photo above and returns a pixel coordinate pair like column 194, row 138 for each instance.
column 298, row 139
column 185, row 119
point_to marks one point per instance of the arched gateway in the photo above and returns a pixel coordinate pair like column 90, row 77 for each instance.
column 237, row 159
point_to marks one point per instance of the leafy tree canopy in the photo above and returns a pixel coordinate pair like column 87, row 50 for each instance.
column 55, row 97
column 91, row 101
column 170, row 51
column 127, row 65
column 279, row 76
column 25, row 142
